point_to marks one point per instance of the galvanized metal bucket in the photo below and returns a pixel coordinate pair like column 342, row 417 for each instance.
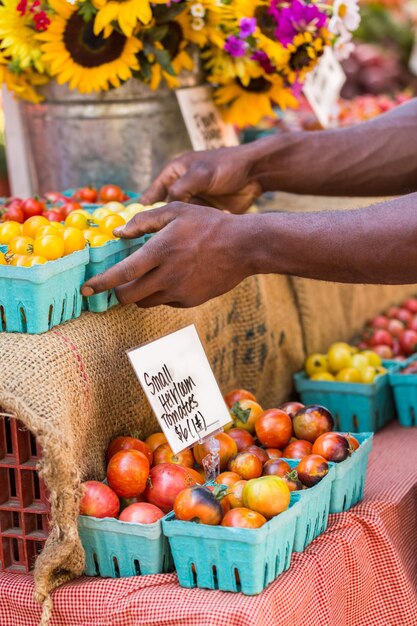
column 123, row 136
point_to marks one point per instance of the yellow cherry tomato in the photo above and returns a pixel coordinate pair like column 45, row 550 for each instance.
column 316, row 363
column 14, row 258
column 100, row 213
column 3, row 260
column 114, row 207
column 49, row 246
column 89, row 232
column 73, row 240
column 99, row 239
column 8, row 231
column 373, row 358
column 83, row 212
column 109, row 223
column 360, row 361
column 23, row 261
column 57, row 225
column 37, row 260
column 134, row 208
column 349, row 375
column 368, row 374
column 125, row 215
column 46, row 230
column 323, row 376
column 31, row 225
column 339, row 357
column 21, row 245
column 77, row 220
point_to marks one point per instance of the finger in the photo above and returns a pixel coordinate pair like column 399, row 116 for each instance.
column 158, row 190
column 147, row 222
column 155, row 300
column 141, row 288
column 194, row 182
column 134, row 266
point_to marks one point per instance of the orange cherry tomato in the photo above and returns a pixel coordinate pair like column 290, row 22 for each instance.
column 312, row 469
column 235, row 493
column 155, row 440
column 237, row 395
column 21, row 245
column 164, row 454
column 198, row 504
column 243, row 518
column 31, row 225
column 8, row 231
column 268, row 495
column 49, row 246
column 228, row 448
column 274, row 428
column 227, row 478
column 109, row 223
column 246, row 464
column 245, row 413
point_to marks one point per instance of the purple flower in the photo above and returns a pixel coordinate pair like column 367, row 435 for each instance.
column 247, row 27
column 263, row 59
column 296, row 18
column 234, row 46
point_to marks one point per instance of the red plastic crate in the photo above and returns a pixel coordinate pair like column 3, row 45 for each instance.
column 24, row 505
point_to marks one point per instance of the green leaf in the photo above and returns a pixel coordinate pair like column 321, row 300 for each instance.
column 87, row 11
column 145, row 68
column 164, row 60
column 163, row 14
column 157, row 33
column 239, row 413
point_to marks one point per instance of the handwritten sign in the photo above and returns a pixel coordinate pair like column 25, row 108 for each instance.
column 203, row 121
column 323, row 86
column 181, row 388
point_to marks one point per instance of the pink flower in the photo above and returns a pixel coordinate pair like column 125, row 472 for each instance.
column 41, row 20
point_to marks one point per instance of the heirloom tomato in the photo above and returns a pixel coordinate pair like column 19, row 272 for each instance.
column 273, row 453
column 166, row 481
column 276, row 467
column 155, row 440
column 127, row 473
column 198, row 477
column 244, row 414
column 234, row 493
column 261, row 453
column 246, row 464
column 141, row 513
column 312, row 469
column 332, row 447
column 311, row 422
column 220, row 491
column 228, row 449
column 99, row 500
column 198, row 504
column 243, row 518
column 353, row 442
column 164, row 454
column 128, row 443
column 268, row 495
column 242, row 437
column 297, row 449
column 237, row 395
column 291, row 408
column 274, row 428
column 227, row 478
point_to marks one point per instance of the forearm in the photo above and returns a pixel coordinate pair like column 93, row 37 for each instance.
column 377, row 244
column 374, row 158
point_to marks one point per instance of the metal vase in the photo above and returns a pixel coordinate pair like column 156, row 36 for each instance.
column 123, row 136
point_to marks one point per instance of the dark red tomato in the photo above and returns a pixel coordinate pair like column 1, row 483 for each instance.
column 54, row 197
column 243, row 518
column 353, row 442
column 237, row 395
column 274, row 453
column 99, row 500
column 396, row 348
column 246, row 464
column 69, row 207
column 404, row 315
column 332, row 446
column 14, row 214
column 127, row 473
column 380, row 321
column 166, row 481
column 227, row 478
column 242, row 437
column 312, row 469
column 276, row 467
column 54, row 215
column 164, row 454
column 395, row 327
column 259, row 452
column 292, row 480
column 128, row 443
column 385, row 352
column 274, row 428
column 291, row 408
column 111, row 193
column 198, row 504
column 411, row 305
column 408, row 342
column 228, row 448
column 413, row 324
column 380, row 337
column 297, row 449
column 311, row 422
column 33, row 206
column 141, row 513
column 87, row 194
column 392, row 311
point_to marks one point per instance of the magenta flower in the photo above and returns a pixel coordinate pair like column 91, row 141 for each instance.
column 22, row 7
column 296, row 18
column 235, row 46
column 263, row 59
column 247, row 27
column 41, row 20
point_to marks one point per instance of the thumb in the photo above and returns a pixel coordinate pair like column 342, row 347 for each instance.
column 146, row 222
column 195, row 182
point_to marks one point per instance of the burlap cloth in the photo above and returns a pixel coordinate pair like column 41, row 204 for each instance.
column 75, row 389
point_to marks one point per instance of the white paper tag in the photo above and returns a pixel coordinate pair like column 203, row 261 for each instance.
column 323, row 86
column 205, row 126
column 412, row 63
column 181, row 388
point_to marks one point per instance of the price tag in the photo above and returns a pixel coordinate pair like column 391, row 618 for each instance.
column 203, row 121
column 412, row 63
column 181, row 388
column 323, row 86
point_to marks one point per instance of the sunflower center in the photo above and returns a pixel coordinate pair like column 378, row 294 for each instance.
column 256, row 85
column 266, row 22
column 300, row 58
column 173, row 39
column 342, row 11
column 88, row 49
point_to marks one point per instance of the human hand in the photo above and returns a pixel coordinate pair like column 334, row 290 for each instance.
column 199, row 253
column 219, row 178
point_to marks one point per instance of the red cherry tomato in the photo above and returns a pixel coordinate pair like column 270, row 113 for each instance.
column 33, row 206
column 411, row 305
column 237, row 395
column 111, row 193
column 198, row 504
column 274, row 428
column 332, row 447
column 408, row 342
column 243, row 518
column 166, row 481
column 128, row 443
column 69, row 207
column 14, row 214
column 379, row 337
column 99, row 500
column 54, row 197
column 141, row 513
column 312, row 469
column 86, row 194
column 127, row 473
column 54, row 216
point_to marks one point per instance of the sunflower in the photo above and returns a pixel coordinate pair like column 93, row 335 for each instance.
column 75, row 55
column 247, row 105
column 203, row 21
column 21, row 84
column 126, row 12
column 17, row 37
column 305, row 52
column 175, row 44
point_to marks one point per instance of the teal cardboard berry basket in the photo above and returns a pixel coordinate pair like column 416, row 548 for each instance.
column 356, row 407
column 404, row 387
column 116, row 549
column 349, row 478
column 315, row 507
column 34, row 299
column 232, row 559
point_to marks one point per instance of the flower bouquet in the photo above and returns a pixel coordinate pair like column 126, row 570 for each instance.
column 256, row 53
